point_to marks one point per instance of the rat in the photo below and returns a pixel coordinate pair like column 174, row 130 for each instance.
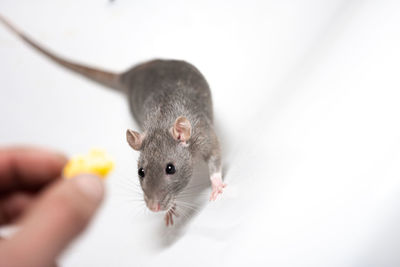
column 171, row 102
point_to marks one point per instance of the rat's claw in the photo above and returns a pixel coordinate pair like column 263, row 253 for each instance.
column 217, row 186
column 167, row 218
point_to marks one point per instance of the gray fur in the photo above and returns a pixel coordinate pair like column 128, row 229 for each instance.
column 159, row 92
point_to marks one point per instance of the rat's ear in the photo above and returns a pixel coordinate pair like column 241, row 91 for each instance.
column 181, row 129
column 134, row 139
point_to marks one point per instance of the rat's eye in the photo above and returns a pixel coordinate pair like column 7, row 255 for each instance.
column 170, row 169
column 141, row 173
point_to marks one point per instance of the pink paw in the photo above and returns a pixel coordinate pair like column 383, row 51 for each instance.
column 217, row 186
column 170, row 215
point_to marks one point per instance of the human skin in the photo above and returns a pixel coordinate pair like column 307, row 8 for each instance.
column 48, row 210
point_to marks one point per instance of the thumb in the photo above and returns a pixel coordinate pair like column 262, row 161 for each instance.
column 61, row 213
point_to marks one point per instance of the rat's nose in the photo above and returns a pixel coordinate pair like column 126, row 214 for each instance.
column 155, row 206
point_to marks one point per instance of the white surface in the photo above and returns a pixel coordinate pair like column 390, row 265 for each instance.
column 306, row 98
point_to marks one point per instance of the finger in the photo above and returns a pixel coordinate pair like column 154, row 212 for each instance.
column 60, row 214
column 166, row 219
column 28, row 168
column 13, row 205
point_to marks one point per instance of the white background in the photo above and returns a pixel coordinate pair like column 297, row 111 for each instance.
column 306, row 97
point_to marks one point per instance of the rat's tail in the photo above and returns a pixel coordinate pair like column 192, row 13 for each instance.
column 105, row 78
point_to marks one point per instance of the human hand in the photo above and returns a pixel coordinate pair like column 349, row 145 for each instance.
column 49, row 211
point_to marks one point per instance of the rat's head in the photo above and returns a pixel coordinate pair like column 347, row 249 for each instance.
column 165, row 164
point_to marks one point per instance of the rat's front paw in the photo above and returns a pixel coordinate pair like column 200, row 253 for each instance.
column 170, row 215
column 217, row 185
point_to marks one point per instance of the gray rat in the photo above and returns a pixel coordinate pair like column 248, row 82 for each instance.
column 171, row 102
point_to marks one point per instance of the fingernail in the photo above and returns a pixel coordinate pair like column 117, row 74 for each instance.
column 90, row 185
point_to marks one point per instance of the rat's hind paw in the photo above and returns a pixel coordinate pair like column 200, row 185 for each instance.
column 217, row 185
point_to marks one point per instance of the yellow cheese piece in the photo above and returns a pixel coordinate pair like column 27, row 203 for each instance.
column 95, row 162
